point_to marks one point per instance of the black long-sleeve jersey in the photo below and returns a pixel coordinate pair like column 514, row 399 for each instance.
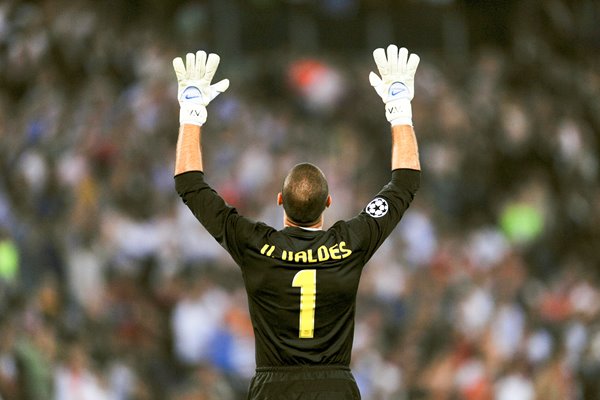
column 301, row 284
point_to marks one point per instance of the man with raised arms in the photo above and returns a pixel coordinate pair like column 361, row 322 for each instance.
column 301, row 280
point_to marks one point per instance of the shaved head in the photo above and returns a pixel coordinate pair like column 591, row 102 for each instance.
column 304, row 194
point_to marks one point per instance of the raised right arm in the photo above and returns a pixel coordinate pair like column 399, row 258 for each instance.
column 194, row 93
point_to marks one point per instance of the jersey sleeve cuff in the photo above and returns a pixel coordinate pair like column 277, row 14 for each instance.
column 408, row 178
column 188, row 181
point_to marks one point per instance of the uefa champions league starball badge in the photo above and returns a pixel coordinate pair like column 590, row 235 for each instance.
column 377, row 207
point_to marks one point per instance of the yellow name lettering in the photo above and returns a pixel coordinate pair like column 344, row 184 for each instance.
column 300, row 256
column 345, row 251
column 322, row 253
column 264, row 249
column 334, row 252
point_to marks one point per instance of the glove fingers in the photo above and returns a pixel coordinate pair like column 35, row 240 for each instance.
column 211, row 67
column 199, row 71
column 179, row 68
column 190, row 65
column 402, row 56
column 392, row 58
column 413, row 63
column 381, row 61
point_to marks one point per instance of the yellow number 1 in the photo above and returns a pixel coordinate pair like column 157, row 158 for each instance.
column 306, row 280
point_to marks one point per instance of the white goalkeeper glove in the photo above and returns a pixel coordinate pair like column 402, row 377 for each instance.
column 194, row 88
column 396, row 86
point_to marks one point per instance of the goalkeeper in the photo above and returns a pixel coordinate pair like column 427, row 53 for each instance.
column 301, row 280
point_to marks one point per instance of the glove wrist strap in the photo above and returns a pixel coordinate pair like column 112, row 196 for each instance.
column 399, row 112
column 193, row 114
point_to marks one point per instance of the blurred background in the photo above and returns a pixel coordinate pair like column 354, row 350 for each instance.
column 489, row 287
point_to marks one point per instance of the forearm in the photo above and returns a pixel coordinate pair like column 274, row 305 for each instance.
column 188, row 156
column 405, row 150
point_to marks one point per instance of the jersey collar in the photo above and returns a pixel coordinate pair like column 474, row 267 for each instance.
column 310, row 229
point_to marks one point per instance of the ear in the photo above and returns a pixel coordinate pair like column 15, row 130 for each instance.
column 328, row 201
column 279, row 199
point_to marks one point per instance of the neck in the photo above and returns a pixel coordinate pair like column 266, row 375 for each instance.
column 318, row 224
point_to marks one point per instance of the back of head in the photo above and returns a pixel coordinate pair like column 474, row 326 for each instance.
column 304, row 193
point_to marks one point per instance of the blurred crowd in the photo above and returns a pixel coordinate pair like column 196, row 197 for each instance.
column 109, row 288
